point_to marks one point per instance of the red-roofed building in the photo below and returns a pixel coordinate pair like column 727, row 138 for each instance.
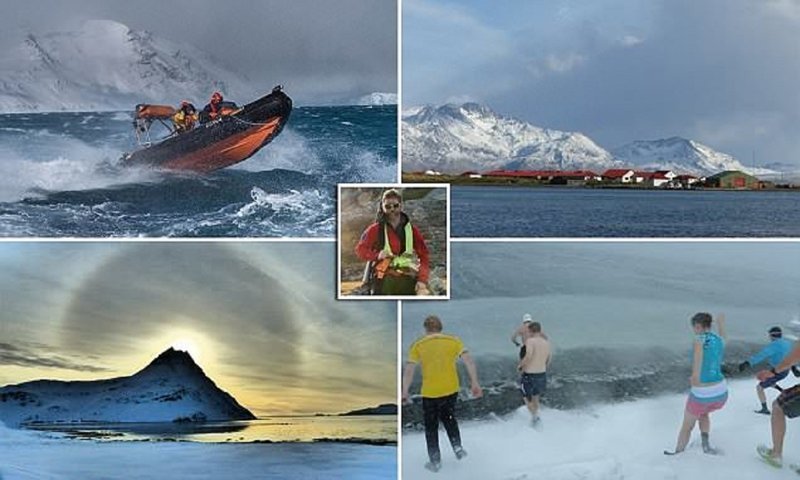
column 552, row 176
column 640, row 176
column 661, row 178
column 618, row 175
column 545, row 175
column 687, row 180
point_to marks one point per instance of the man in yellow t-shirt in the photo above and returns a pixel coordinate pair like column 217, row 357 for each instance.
column 437, row 353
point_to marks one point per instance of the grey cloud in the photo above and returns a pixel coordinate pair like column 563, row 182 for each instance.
column 269, row 307
column 32, row 356
column 135, row 292
column 723, row 72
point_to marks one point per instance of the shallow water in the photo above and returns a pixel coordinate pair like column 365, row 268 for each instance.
column 273, row 429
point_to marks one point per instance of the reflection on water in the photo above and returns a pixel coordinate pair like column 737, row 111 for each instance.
column 375, row 428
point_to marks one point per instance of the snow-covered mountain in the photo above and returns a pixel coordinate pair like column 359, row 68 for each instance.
column 107, row 66
column 172, row 388
column 455, row 138
column 680, row 155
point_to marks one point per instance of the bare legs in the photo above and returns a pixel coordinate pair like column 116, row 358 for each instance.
column 533, row 405
column 705, row 423
column 773, row 456
column 685, row 432
column 778, row 421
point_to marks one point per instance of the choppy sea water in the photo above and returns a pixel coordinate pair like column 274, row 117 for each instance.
column 583, row 212
column 60, row 176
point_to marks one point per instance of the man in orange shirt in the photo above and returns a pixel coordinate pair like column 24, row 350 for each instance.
column 437, row 353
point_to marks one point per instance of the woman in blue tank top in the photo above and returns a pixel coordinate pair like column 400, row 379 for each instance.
column 708, row 391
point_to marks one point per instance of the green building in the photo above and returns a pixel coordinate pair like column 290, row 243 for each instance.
column 732, row 179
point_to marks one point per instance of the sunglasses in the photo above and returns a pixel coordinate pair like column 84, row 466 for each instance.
column 391, row 206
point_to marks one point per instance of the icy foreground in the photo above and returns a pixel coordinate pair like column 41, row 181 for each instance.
column 623, row 441
column 26, row 455
column 171, row 388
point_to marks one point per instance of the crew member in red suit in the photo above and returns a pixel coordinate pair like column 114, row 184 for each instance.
column 396, row 250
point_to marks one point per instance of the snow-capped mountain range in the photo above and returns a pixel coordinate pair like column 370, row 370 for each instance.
column 680, row 155
column 457, row 138
column 107, row 66
column 172, row 388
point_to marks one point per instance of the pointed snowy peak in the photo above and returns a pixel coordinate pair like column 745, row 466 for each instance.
column 461, row 112
column 456, row 138
column 171, row 388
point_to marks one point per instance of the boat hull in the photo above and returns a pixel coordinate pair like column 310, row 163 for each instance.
column 222, row 142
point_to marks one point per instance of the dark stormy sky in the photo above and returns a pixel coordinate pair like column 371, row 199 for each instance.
column 325, row 50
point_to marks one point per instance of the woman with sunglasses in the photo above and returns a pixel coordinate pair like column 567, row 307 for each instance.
column 396, row 250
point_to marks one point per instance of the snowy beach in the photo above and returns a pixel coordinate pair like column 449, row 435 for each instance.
column 614, row 441
column 27, row 455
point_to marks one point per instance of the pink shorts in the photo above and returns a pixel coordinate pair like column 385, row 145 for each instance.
column 699, row 409
column 704, row 400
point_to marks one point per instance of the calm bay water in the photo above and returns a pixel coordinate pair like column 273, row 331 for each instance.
column 273, row 429
column 582, row 212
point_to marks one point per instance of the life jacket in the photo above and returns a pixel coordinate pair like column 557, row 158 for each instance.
column 404, row 261
column 183, row 121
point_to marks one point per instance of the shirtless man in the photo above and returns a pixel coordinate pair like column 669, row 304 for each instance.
column 521, row 334
column 533, row 366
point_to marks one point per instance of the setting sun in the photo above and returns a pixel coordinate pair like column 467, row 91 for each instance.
column 190, row 341
column 187, row 345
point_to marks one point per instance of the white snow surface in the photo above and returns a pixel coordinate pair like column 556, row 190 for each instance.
column 28, row 455
column 682, row 156
column 456, row 138
column 378, row 98
column 107, row 66
column 170, row 388
column 611, row 442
